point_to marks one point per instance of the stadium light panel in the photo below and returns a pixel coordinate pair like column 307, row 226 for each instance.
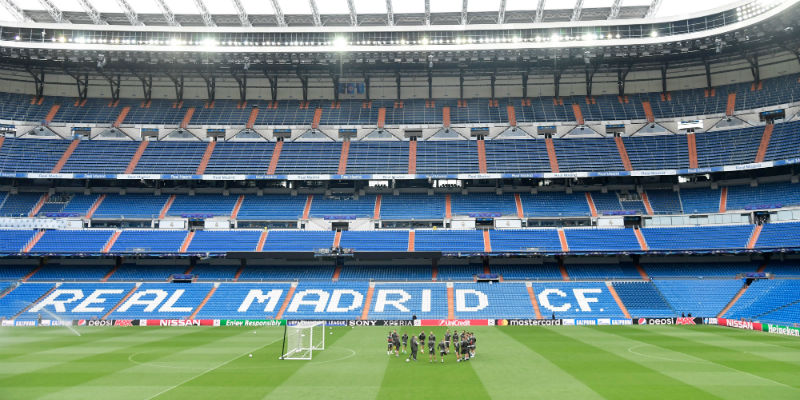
column 340, row 43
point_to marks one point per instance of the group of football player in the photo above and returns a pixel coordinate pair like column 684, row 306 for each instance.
column 463, row 344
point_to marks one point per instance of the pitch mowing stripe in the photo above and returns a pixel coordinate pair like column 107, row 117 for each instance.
column 247, row 378
column 644, row 346
column 737, row 354
column 788, row 342
column 24, row 342
column 511, row 370
column 347, row 369
column 605, row 372
column 46, row 353
column 154, row 372
column 749, row 342
column 80, row 371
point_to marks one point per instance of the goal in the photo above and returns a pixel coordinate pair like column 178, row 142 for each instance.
column 302, row 339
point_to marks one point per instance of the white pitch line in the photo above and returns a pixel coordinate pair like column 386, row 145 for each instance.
column 211, row 369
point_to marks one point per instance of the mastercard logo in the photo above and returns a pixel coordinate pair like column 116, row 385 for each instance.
column 502, row 322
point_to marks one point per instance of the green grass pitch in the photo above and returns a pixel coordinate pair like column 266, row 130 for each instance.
column 613, row 362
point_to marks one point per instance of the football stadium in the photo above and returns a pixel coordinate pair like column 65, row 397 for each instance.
column 393, row 199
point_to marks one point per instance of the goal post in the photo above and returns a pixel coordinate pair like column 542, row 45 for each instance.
column 300, row 340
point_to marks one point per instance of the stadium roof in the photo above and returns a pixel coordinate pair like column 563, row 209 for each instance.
column 332, row 13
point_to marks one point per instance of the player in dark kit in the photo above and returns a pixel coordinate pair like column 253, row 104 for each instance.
column 390, row 343
column 414, row 347
column 447, row 340
column 465, row 349
column 442, row 350
column 472, row 344
column 396, row 343
column 405, row 342
column 422, row 339
column 431, row 346
column 457, row 347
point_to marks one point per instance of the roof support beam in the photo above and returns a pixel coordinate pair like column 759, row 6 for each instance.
column 278, row 13
column 427, row 12
column 501, row 14
column 14, row 9
column 576, row 12
column 539, row 11
column 389, row 13
column 92, row 12
column 168, row 15
column 353, row 15
column 315, row 13
column 128, row 10
column 464, row 4
column 204, row 13
column 654, row 5
column 240, row 11
column 54, row 12
column 614, row 13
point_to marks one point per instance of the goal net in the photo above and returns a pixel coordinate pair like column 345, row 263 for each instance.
column 301, row 340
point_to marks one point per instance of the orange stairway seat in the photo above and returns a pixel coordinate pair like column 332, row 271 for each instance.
column 623, row 153
column 648, row 111
column 206, row 158
column 482, row 157
column 551, row 154
column 691, row 142
column 576, row 109
column 251, row 121
column 412, row 157
column 381, row 117
column 121, row 117
column 764, row 145
column 65, row 157
column 344, row 154
column 731, row 106
column 136, row 157
column 276, row 155
column 187, row 117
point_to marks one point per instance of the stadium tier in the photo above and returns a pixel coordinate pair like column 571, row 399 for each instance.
column 518, row 156
column 681, row 103
column 699, row 239
column 318, row 290
column 281, row 207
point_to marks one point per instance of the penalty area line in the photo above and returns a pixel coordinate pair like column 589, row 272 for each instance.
column 212, row 369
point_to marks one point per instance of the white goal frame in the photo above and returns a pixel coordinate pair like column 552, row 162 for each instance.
column 302, row 339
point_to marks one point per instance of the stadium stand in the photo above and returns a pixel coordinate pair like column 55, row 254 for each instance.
column 773, row 299
column 698, row 297
column 564, row 300
column 229, row 297
column 416, row 302
column 643, row 299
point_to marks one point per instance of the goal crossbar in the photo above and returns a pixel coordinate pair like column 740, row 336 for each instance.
column 300, row 340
